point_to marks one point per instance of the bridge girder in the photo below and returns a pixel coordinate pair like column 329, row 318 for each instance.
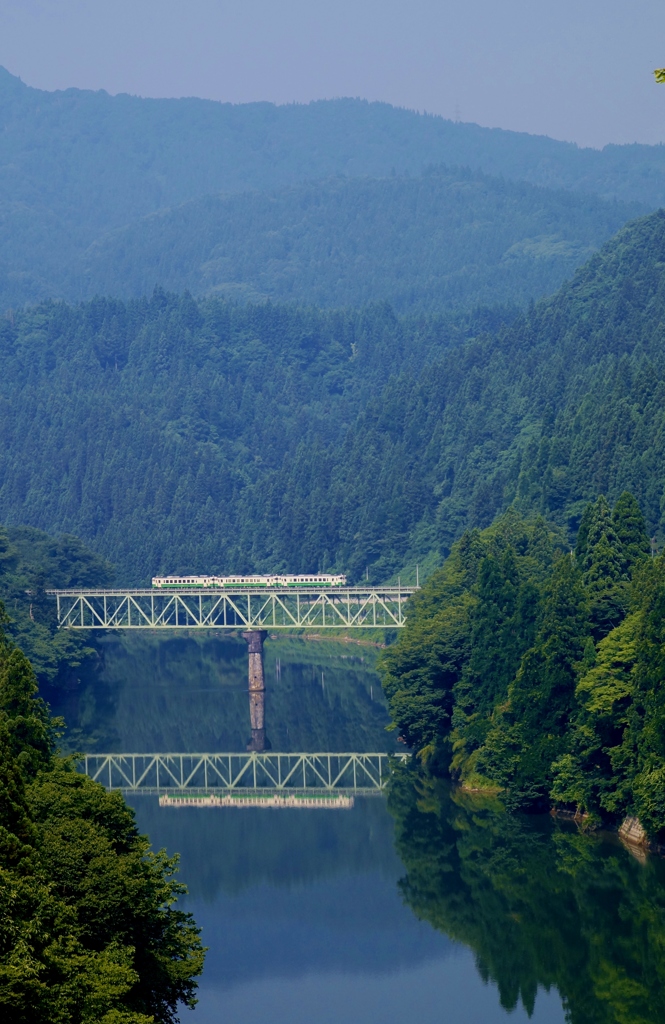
column 271, row 609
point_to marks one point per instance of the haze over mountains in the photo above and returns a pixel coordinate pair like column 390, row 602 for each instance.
column 76, row 165
column 444, row 239
column 207, row 435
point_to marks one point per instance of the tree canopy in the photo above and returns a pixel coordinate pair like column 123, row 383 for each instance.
column 89, row 929
column 78, row 166
column 536, row 672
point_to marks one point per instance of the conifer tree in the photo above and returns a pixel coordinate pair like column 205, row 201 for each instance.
column 602, row 560
column 502, row 628
column 645, row 742
column 630, row 527
column 583, row 531
column 595, row 774
column 529, row 732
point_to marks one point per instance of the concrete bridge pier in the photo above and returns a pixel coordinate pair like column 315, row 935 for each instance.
column 257, row 689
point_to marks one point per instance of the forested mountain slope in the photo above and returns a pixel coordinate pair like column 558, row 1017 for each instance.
column 32, row 562
column 160, row 428
column 75, row 164
column 445, row 239
column 180, row 435
column 562, row 405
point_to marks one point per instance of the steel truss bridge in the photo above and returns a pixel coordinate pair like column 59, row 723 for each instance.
column 270, row 608
column 243, row 774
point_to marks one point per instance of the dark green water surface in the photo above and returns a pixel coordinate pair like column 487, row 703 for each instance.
column 189, row 694
column 430, row 906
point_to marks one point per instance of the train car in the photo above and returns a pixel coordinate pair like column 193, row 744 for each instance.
column 184, row 581
column 319, row 580
column 281, row 580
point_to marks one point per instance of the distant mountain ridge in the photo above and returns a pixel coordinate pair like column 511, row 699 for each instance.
column 203, row 436
column 181, row 148
column 76, row 164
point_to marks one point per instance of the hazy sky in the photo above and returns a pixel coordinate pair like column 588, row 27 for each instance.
column 572, row 69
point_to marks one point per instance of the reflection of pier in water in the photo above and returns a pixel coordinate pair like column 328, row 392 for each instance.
column 237, row 608
column 258, row 779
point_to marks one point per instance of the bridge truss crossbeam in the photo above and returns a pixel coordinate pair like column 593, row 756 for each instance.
column 245, row 773
column 274, row 609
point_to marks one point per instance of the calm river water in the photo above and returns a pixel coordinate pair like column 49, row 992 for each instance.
column 428, row 906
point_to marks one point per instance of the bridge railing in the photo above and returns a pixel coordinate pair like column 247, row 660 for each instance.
column 250, row 772
column 273, row 609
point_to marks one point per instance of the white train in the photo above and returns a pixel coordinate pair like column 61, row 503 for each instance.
column 207, row 582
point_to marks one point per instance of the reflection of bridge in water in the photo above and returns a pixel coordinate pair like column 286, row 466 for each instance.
column 255, row 612
column 271, row 799
column 263, row 779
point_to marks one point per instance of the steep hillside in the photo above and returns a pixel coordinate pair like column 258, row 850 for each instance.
column 563, row 405
column 157, row 427
column 75, row 165
column 173, row 434
column 446, row 239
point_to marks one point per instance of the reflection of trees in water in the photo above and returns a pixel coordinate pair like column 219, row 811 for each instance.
column 539, row 903
column 189, row 693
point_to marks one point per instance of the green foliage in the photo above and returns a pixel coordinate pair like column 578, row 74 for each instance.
column 630, row 528
column 178, row 435
column 89, row 931
column 529, row 731
column 202, row 436
column 28, row 729
column 553, row 682
column 467, row 630
column 602, row 557
column 594, row 776
column 420, row 670
column 644, row 743
column 31, row 562
column 617, row 741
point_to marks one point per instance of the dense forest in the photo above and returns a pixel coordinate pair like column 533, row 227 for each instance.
column 89, row 931
column 75, row 165
column 536, row 672
column 32, row 562
column 161, row 429
column 541, row 906
column 200, row 436
column 444, row 239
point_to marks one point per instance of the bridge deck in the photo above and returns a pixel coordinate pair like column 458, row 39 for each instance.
column 233, row 608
